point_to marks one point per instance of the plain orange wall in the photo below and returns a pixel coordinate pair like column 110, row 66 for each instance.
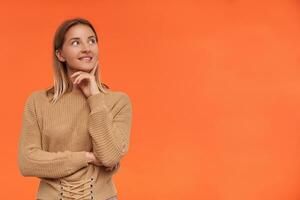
column 214, row 84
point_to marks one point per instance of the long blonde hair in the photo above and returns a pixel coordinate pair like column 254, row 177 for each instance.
column 61, row 80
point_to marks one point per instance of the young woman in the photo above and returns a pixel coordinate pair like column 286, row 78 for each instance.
column 75, row 133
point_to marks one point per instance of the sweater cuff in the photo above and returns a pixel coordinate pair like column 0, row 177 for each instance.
column 78, row 159
column 96, row 102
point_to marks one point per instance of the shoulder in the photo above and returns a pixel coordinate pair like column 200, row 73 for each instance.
column 118, row 101
column 119, row 96
column 36, row 96
column 120, row 104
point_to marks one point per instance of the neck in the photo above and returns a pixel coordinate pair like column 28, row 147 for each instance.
column 73, row 88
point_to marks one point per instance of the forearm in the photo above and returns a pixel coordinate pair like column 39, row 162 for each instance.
column 33, row 160
column 39, row 163
column 110, row 134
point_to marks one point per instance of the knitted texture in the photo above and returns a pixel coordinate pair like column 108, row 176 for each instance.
column 55, row 138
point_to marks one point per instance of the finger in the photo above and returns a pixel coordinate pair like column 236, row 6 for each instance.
column 76, row 73
column 80, row 79
column 95, row 67
column 94, row 70
column 96, row 64
column 112, row 168
column 77, row 79
column 108, row 169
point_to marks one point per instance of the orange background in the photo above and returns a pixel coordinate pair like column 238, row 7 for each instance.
column 214, row 84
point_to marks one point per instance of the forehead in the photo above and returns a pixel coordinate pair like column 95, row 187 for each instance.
column 79, row 30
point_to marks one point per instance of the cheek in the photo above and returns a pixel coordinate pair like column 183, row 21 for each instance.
column 95, row 49
column 71, row 54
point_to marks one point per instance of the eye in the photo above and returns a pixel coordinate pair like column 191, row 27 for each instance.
column 93, row 41
column 75, row 42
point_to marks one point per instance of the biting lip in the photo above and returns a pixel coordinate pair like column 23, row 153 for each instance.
column 86, row 58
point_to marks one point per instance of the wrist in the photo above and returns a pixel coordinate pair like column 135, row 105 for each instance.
column 88, row 157
column 94, row 88
column 94, row 92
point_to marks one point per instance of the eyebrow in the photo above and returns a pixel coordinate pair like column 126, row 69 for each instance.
column 79, row 38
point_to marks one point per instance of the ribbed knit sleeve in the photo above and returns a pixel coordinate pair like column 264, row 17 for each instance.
column 110, row 134
column 32, row 160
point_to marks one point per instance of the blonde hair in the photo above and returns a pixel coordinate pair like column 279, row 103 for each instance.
column 61, row 80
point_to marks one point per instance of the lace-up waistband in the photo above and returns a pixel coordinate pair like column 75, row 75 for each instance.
column 78, row 190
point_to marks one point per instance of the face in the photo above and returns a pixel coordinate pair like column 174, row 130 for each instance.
column 80, row 49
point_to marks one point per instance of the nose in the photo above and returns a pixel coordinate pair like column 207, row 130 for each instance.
column 85, row 47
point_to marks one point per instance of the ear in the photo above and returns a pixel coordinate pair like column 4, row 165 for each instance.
column 60, row 56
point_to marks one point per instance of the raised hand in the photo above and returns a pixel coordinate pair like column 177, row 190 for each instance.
column 86, row 81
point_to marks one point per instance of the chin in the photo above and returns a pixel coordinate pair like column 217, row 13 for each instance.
column 85, row 68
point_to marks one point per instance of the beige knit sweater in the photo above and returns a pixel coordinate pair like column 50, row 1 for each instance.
column 55, row 138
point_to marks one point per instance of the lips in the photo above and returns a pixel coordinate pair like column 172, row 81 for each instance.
column 86, row 58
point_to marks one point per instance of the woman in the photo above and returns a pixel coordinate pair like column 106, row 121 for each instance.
column 75, row 133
